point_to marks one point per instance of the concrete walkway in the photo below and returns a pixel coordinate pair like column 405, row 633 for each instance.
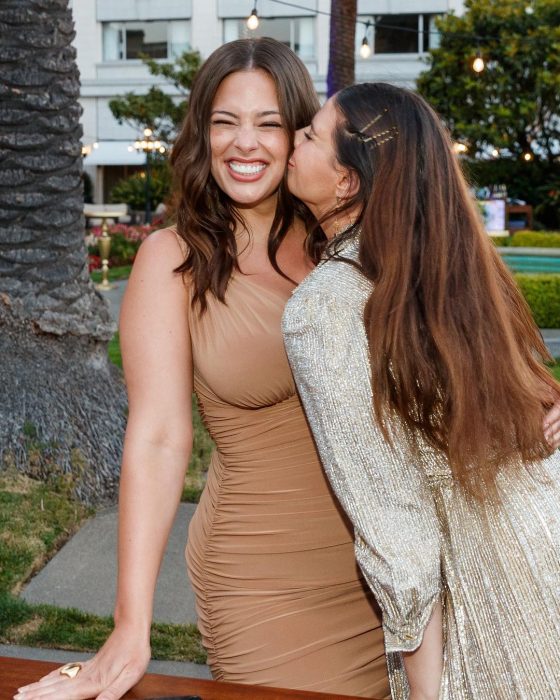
column 83, row 575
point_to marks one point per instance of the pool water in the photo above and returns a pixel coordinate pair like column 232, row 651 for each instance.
column 532, row 263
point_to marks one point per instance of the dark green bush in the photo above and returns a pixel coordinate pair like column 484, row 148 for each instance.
column 500, row 241
column 535, row 239
column 542, row 293
column 132, row 190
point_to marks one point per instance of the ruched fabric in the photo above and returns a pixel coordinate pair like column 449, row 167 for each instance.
column 280, row 599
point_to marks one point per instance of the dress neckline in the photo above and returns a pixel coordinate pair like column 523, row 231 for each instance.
column 240, row 276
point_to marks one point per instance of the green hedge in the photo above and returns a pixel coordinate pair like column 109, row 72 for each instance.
column 500, row 241
column 535, row 239
column 542, row 293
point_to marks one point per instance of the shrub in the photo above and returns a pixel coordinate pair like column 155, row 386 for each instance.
column 542, row 293
column 500, row 241
column 536, row 239
column 132, row 190
column 125, row 241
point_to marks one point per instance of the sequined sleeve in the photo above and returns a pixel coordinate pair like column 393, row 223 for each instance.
column 382, row 490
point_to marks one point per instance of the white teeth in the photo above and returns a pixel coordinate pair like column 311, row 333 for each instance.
column 246, row 168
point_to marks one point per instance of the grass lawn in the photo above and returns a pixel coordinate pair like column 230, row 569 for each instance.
column 115, row 273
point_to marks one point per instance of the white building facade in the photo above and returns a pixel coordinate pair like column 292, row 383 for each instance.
column 110, row 35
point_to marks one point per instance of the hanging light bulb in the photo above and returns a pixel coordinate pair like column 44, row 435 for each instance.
column 495, row 152
column 527, row 156
column 253, row 20
column 148, row 131
column 478, row 64
column 365, row 48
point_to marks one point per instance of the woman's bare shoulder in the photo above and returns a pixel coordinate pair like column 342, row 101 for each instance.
column 166, row 242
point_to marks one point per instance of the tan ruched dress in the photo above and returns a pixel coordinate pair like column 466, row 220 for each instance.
column 270, row 554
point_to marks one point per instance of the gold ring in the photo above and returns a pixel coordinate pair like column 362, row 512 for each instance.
column 71, row 670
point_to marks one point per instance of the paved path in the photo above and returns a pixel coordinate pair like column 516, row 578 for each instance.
column 83, row 573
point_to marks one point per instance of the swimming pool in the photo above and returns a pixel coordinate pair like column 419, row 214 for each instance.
column 533, row 260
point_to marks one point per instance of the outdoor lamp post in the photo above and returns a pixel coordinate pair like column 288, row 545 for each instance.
column 148, row 144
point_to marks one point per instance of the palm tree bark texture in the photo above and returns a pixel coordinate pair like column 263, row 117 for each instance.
column 63, row 405
column 341, row 45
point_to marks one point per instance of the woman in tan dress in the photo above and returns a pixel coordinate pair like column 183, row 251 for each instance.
column 280, row 599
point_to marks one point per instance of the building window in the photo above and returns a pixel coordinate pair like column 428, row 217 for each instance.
column 408, row 33
column 126, row 41
column 295, row 32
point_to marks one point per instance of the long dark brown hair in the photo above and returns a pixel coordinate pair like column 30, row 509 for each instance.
column 454, row 349
column 206, row 217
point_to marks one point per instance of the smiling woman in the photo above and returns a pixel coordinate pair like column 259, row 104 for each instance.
column 270, row 554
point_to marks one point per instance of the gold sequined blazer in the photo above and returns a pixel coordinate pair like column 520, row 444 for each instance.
column 418, row 537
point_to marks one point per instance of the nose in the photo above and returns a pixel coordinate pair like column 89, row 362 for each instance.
column 246, row 139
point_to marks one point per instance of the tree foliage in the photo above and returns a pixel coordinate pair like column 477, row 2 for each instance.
column 514, row 104
column 158, row 110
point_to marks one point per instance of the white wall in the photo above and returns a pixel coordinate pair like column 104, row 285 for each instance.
column 103, row 80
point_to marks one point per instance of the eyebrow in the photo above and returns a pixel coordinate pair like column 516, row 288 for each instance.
column 266, row 113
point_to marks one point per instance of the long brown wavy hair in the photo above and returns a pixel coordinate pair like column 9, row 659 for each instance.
column 206, row 217
column 454, row 349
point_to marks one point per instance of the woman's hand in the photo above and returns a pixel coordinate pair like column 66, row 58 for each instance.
column 119, row 664
column 551, row 426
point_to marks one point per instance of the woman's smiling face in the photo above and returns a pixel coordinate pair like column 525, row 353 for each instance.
column 248, row 139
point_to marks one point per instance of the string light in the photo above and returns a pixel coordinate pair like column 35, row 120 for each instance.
column 253, row 20
column 478, row 64
column 148, row 132
column 527, row 156
column 460, row 148
column 365, row 48
column 495, row 152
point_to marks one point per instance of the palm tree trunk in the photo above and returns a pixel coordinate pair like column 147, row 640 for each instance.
column 341, row 45
column 63, row 406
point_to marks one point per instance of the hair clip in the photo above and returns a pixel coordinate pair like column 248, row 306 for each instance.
column 380, row 137
column 373, row 121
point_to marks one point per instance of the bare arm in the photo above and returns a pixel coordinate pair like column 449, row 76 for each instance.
column 424, row 667
column 157, row 360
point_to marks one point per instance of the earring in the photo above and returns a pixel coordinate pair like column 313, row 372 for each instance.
column 337, row 226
